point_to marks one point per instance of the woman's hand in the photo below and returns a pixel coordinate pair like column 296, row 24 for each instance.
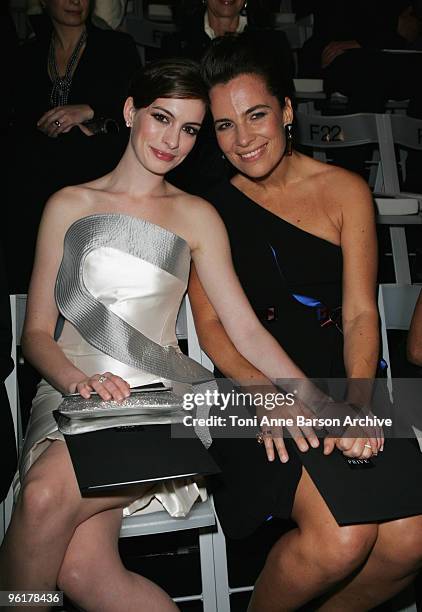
column 107, row 385
column 62, row 119
column 357, row 442
column 272, row 435
column 361, row 442
column 336, row 48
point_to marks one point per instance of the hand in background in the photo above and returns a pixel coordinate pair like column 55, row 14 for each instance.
column 62, row 119
column 336, row 48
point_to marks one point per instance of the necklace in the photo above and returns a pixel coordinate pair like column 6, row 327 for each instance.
column 61, row 85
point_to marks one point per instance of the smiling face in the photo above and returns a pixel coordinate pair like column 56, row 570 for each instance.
column 249, row 124
column 226, row 9
column 164, row 132
column 68, row 12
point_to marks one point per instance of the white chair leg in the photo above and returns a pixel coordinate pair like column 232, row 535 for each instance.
column 221, row 572
column 206, row 552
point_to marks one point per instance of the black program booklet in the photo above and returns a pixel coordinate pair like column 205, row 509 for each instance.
column 123, row 456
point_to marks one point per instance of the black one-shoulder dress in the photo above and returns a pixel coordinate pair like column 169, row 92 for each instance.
column 278, row 264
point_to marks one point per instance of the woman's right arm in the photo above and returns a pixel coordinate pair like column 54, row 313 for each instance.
column 215, row 341
column 38, row 342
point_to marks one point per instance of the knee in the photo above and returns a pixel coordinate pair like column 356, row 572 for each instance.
column 344, row 550
column 402, row 546
column 75, row 580
column 40, row 500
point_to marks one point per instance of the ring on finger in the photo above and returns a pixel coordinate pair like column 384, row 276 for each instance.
column 368, row 446
column 102, row 378
column 57, row 122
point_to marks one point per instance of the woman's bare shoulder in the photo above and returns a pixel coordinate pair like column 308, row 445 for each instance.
column 337, row 180
column 69, row 204
column 193, row 204
column 337, row 186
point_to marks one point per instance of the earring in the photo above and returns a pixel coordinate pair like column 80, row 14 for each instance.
column 244, row 7
column 128, row 124
column 289, row 138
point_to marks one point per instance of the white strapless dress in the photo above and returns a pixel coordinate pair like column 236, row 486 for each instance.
column 119, row 290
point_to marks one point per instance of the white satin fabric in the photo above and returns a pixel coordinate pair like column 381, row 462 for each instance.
column 146, row 297
column 143, row 295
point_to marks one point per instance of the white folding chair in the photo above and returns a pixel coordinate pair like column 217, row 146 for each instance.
column 406, row 134
column 396, row 304
column 223, row 589
column 322, row 133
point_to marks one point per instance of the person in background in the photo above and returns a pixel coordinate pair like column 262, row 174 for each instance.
column 346, row 51
column 106, row 14
column 69, row 85
column 199, row 23
column 414, row 338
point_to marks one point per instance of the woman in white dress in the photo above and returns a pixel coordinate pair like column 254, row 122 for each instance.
column 111, row 269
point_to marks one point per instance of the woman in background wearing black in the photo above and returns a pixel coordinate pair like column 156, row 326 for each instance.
column 69, row 86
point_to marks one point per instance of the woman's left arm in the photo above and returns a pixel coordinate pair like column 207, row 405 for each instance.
column 359, row 307
column 360, row 262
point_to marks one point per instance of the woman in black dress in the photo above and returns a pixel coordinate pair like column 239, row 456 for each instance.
column 302, row 233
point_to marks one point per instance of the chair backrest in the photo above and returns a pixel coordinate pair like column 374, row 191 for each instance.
column 194, row 349
column 407, row 131
column 339, row 131
column 322, row 133
column 146, row 33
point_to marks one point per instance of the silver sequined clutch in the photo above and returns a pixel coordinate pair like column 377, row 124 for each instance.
column 77, row 415
column 140, row 402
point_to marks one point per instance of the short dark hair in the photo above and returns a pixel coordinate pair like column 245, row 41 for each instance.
column 232, row 55
column 174, row 78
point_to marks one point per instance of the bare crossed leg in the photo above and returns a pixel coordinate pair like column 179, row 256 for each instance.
column 311, row 559
column 392, row 565
column 363, row 564
column 51, row 520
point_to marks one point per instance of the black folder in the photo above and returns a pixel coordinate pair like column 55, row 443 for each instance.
column 119, row 457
